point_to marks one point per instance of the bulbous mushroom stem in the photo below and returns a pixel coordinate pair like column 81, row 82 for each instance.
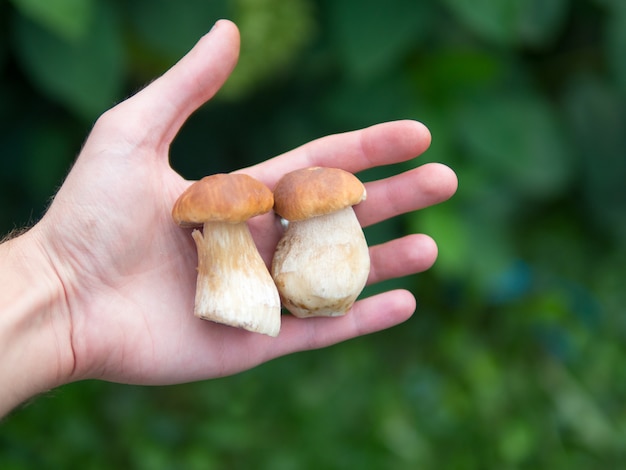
column 234, row 286
column 321, row 264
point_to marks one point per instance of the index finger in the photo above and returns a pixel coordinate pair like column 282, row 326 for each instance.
column 354, row 151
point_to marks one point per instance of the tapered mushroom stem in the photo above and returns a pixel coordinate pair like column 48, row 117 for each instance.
column 321, row 264
column 234, row 286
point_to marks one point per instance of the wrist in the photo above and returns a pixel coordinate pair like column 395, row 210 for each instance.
column 35, row 333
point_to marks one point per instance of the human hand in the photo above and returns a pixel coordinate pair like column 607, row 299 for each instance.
column 127, row 272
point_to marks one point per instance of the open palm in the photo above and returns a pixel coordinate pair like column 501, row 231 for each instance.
column 128, row 272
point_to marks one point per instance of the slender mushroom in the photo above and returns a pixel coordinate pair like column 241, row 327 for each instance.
column 321, row 263
column 233, row 286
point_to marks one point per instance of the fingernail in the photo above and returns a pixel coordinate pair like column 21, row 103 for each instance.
column 214, row 27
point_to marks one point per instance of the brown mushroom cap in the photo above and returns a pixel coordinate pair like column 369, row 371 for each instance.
column 315, row 191
column 232, row 198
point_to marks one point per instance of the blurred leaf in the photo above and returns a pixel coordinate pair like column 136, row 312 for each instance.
column 614, row 5
column 577, row 409
column 399, row 433
column 170, row 29
column 516, row 442
column 68, row 19
column 541, row 21
column 447, row 75
column 85, row 76
column 473, row 232
column 493, row 20
column 518, row 140
column 451, row 232
column 366, row 103
column 598, row 128
column 512, row 22
column 615, row 44
column 273, row 34
column 372, row 38
column 47, row 154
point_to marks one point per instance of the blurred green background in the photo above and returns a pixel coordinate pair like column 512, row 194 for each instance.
column 516, row 356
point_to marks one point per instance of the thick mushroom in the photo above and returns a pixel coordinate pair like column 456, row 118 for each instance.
column 234, row 286
column 321, row 263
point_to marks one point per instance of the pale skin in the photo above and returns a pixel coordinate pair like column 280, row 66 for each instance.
column 102, row 287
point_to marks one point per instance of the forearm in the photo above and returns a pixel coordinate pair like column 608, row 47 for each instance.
column 35, row 343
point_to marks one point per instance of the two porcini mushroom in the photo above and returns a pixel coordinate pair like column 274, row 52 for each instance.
column 233, row 287
column 322, row 262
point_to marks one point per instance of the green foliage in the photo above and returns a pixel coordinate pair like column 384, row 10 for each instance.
column 512, row 22
column 165, row 30
column 86, row 75
column 357, row 33
column 272, row 32
column 515, row 357
column 69, row 19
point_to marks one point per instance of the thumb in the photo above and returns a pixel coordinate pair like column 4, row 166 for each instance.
column 160, row 109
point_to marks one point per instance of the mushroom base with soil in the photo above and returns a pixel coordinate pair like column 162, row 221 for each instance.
column 321, row 264
column 234, row 286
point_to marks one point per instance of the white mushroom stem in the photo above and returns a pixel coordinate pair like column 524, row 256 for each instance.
column 321, row 264
column 234, row 286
